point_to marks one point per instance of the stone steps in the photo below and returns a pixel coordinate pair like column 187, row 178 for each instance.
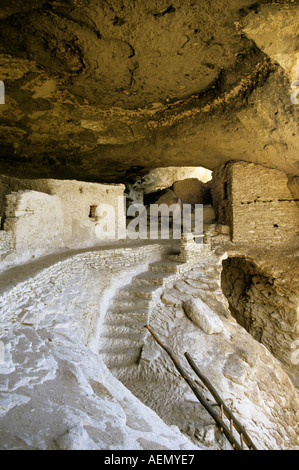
column 167, row 266
column 138, row 292
column 121, row 303
column 124, row 325
column 127, row 318
column 132, row 332
column 152, row 278
column 119, row 345
column 118, row 360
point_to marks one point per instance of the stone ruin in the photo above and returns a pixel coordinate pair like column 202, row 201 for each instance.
column 112, row 104
column 208, row 286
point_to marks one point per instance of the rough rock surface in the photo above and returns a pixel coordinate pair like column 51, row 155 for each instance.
column 265, row 307
column 161, row 178
column 247, row 376
column 169, row 198
column 203, row 316
column 192, row 191
column 56, row 393
column 105, row 91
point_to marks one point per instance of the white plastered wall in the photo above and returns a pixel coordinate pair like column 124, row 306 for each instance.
column 35, row 220
column 46, row 215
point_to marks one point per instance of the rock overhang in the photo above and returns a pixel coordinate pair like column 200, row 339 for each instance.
column 105, row 91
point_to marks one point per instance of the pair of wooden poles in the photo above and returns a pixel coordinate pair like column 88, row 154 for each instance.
column 224, row 410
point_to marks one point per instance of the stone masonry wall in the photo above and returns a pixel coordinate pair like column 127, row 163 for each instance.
column 78, row 202
column 222, row 194
column 257, row 204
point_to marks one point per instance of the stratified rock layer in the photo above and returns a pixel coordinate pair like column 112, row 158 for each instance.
column 106, row 91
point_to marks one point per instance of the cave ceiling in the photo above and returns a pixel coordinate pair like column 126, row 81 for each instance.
column 106, row 90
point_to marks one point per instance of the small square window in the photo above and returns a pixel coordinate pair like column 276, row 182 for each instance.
column 92, row 212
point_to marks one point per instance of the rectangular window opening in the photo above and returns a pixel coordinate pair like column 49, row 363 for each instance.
column 92, row 212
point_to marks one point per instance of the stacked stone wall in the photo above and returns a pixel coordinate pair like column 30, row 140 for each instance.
column 256, row 203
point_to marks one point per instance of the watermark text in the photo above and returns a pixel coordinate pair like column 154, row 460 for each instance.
column 157, row 221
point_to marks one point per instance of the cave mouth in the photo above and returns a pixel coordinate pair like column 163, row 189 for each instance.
column 267, row 312
column 253, row 300
column 236, row 282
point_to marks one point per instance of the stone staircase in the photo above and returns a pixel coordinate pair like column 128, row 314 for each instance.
column 124, row 329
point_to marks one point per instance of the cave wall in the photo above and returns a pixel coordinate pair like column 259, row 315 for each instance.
column 257, row 204
column 100, row 91
column 266, row 311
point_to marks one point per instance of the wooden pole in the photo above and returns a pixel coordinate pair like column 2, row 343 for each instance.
column 221, row 425
column 238, row 426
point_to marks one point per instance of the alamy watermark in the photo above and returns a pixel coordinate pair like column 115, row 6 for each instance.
column 158, row 221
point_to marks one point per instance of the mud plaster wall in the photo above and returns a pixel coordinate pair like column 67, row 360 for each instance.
column 257, row 204
column 35, row 220
column 69, row 205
